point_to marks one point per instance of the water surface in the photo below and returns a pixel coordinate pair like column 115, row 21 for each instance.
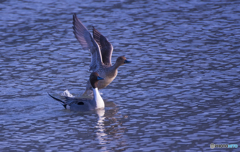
column 181, row 91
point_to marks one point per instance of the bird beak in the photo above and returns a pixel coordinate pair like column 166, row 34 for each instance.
column 126, row 61
column 99, row 78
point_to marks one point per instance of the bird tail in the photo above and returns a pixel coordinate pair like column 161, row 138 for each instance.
column 63, row 103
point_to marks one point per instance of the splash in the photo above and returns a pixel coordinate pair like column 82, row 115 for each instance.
column 66, row 93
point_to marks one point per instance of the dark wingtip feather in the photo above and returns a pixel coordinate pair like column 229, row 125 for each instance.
column 63, row 103
column 73, row 17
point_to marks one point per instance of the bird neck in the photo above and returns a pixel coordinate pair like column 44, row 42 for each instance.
column 116, row 65
column 98, row 99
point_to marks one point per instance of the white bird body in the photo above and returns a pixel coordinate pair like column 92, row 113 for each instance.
column 84, row 104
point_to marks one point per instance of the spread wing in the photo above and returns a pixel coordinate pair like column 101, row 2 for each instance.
column 87, row 42
column 105, row 46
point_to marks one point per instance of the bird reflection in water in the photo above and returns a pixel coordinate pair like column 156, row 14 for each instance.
column 109, row 128
column 100, row 127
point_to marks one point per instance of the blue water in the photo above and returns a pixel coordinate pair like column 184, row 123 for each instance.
column 180, row 93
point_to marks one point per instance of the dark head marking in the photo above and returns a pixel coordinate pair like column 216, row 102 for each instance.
column 80, row 103
column 94, row 78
